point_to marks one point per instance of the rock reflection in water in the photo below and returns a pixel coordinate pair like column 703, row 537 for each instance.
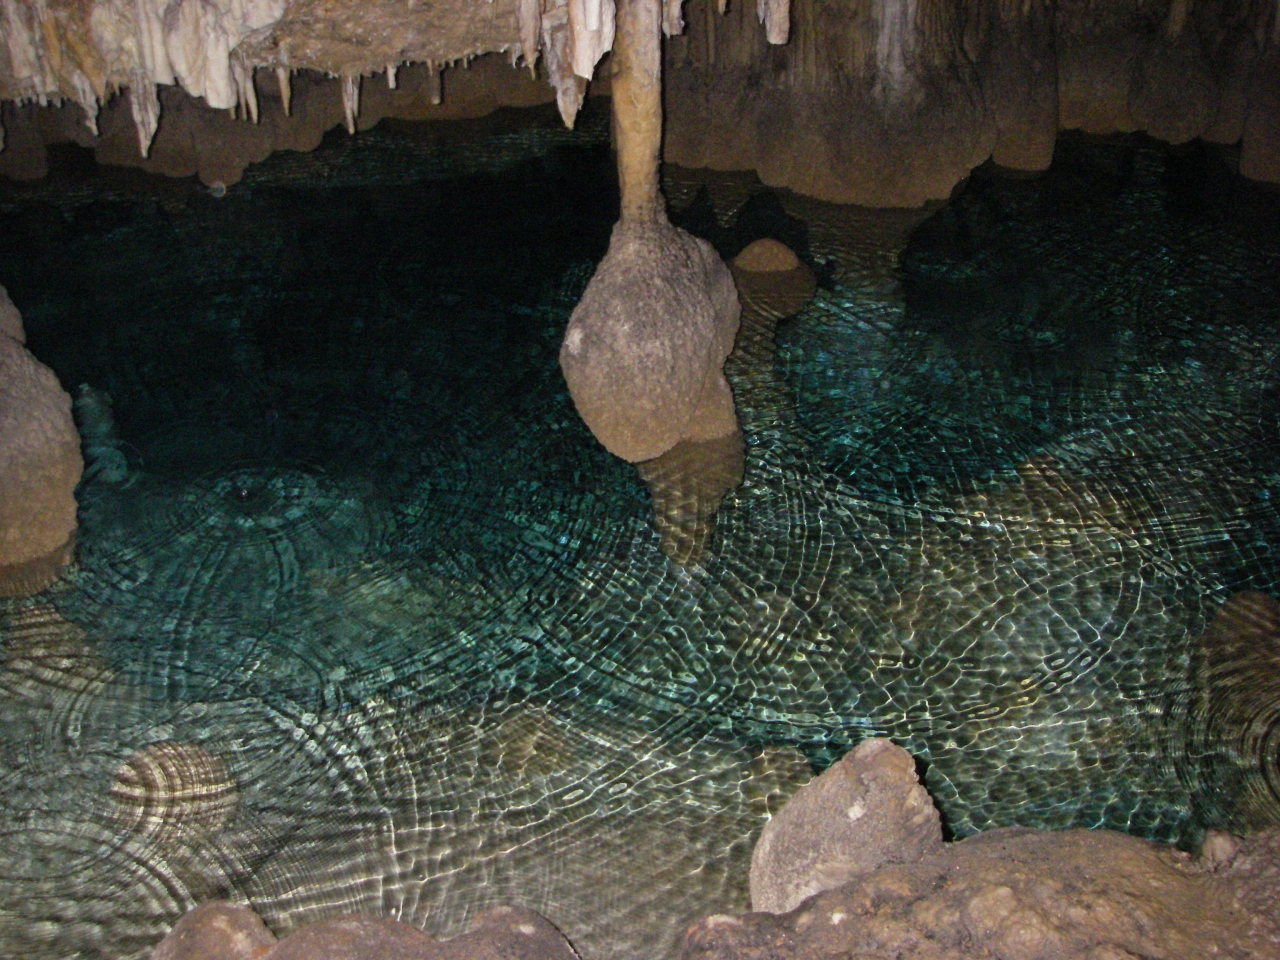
column 1240, row 689
column 687, row 484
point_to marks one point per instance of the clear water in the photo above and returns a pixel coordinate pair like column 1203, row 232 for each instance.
column 1000, row 475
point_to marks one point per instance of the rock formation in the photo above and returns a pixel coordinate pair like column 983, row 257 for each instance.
column 10, row 319
column 891, row 889
column 891, row 103
column 645, row 348
column 40, row 466
column 885, row 103
column 863, row 812
column 230, row 931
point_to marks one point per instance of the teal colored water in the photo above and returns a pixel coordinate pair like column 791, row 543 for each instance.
column 349, row 539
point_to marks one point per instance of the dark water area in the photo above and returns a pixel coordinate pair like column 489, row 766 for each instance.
column 409, row 634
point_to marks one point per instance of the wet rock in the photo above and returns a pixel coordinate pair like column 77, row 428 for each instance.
column 174, row 792
column 866, row 811
column 1012, row 894
column 772, row 282
column 766, row 256
column 507, row 933
column 220, row 930
column 39, row 469
column 355, row 938
column 645, row 348
column 228, row 931
column 1239, row 680
column 10, row 318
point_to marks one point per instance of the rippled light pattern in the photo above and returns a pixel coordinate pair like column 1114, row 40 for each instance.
column 372, row 623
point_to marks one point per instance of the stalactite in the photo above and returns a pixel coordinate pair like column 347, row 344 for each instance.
column 529, row 13
column 350, row 101
column 711, row 34
column 434, row 89
column 776, row 17
column 672, row 18
column 391, row 76
column 895, row 48
column 144, row 105
column 1177, row 17
column 246, row 93
column 87, row 98
column 722, row 6
column 591, row 27
column 556, row 43
column 286, row 88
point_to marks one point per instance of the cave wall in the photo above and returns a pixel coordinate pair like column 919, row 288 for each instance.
column 892, row 102
column 877, row 102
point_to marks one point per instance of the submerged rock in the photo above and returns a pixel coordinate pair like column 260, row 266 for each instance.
column 174, row 791
column 229, row 931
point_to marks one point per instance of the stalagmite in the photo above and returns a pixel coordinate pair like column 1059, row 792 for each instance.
column 350, row 101
column 286, row 88
column 645, row 348
column 529, row 13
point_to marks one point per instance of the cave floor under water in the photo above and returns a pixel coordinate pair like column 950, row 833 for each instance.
column 345, row 541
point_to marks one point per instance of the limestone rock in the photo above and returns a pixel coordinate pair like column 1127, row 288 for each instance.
column 771, row 280
column 1018, row 894
column 507, row 933
column 866, row 811
column 40, row 466
column 10, row 318
column 227, row 931
column 355, row 938
column 220, row 929
column 645, row 348
column 766, row 255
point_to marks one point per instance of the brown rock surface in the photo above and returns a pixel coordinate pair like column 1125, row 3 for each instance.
column 10, row 319
column 891, row 890
column 865, row 811
column 40, row 466
column 227, row 931
column 1020, row 894
column 216, row 931
column 644, row 351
